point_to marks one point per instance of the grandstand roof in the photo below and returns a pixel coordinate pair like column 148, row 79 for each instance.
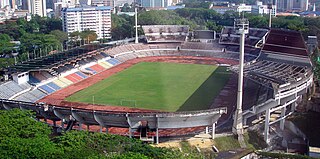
column 203, row 34
column 52, row 60
column 283, row 41
column 165, row 33
column 229, row 36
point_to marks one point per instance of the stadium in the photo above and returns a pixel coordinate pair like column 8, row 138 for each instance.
column 174, row 83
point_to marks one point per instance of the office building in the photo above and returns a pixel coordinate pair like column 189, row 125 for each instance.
column 97, row 19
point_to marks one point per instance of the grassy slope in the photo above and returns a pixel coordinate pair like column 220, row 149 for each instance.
column 160, row 86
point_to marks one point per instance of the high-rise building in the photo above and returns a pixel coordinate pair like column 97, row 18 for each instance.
column 96, row 19
column 4, row 3
column 156, row 3
column 102, row 2
column 37, row 7
column 13, row 4
column 261, row 8
column 292, row 5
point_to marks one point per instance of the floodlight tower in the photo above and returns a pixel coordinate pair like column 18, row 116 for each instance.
column 270, row 7
column 136, row 24
column 242, row 26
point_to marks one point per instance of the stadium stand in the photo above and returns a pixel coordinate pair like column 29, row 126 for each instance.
column 281, row 72
column 165, row 33
column 60, row 83
column 255, row 37
column 282, row 41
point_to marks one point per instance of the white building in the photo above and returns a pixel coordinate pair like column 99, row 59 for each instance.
column 292, row 5
column 4, row 3
column 103, row 2
column 260, row 8
column 37, row 7
column 97, row 19
column 244, row 8
column 156, row 3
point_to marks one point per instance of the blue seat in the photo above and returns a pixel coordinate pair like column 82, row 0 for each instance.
column 116, row 61
column 89, row 69
column 47, row 89
column 104, row 54
column 54, row 86
column 33, row 79
column 81, row 75
column 111, row 62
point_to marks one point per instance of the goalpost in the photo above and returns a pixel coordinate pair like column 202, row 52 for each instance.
column 128, row 102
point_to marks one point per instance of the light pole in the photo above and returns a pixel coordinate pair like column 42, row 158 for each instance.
column 242, row 29
column 136, row 23
column 270, row 13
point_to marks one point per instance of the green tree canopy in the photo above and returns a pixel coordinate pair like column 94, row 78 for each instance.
column 5, row 45
column 21, row 136
column 60, row 35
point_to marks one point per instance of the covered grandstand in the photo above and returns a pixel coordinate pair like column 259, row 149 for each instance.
column 281, row 77
column 165, row 33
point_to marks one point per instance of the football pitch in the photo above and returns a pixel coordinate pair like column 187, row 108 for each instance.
column 158, row 86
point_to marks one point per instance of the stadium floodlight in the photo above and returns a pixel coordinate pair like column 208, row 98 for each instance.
column 242, row 29
column 270, row 13
column 136, row 24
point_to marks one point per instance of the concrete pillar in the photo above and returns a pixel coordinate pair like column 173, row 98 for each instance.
column 244, row 121
column 283, row 113
column 293, row 106
column 100, row 129
column 80, row 126
column 207, row 130
column 62, row 124
column 213, row 130
column 54, row 123
column 107, row 130
column 130, row 135
column 88, row 127
column 266, row 126
column 157, row 136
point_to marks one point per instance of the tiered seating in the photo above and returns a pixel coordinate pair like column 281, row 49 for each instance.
column 33, row 79
column 61, row 69
column 54, row 86
column 31, row 96
column 11, row 88
column 113, row 61
column 49, row 87
column 104, row 54
column 90, row 70
column 46, row 89
column 60, row 83
column 38, row 94
column 74, row 77
column 286, row 42
column 230, row 36
column 81, row 74
column 39, row 76
column 166, row 33
column 64, row 80
column 104, row 64
column 98, row 56
column 97, row 68
column 46, row 74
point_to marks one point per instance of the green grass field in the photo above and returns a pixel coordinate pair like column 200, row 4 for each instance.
column 158, row 86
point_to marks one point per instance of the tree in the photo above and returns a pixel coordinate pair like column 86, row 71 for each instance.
column 122, row 27
column 5, row 45
column 23, row 137
column 88, row 35
column 60, row 35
